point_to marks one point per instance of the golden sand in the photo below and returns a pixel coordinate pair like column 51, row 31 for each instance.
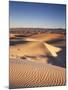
column 30, row 49
column 34, row 71
column 33, row 74
column 46, row 37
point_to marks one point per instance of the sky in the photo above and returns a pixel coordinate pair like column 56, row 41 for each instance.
column 36, row 15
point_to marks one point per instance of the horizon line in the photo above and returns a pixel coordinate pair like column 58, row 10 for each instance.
column 34, row 27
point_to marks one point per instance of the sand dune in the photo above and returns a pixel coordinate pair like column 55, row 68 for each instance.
column 12, row 36
column 30, row 49
column 34, row 49
column 25, row 74
column 29, row 67
column 46, row 37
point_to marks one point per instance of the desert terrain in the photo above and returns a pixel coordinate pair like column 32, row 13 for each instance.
column 37, row 57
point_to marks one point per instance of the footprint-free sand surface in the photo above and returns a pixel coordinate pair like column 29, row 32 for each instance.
column 24, row 73
column 29, row 49
column 29, row 66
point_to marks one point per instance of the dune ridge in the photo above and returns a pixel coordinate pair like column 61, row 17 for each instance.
column 30, row 49
column 29, row 66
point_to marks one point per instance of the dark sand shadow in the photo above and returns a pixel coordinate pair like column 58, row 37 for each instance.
column 60, row 60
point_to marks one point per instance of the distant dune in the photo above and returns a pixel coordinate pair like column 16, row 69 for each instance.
column 46, row 37
column 41, row 37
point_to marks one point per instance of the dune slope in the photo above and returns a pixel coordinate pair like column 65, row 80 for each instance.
column 31, row 74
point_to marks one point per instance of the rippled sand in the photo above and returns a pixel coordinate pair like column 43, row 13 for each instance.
column 25, row 73
column 29, row 66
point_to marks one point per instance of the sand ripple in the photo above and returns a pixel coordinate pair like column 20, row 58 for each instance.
column 25, row 74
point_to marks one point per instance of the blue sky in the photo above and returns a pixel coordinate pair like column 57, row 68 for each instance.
column 36, row 15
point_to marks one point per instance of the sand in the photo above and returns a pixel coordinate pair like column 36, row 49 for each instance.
column 29, row 49
column 46, row 37
column 29, row 67
column 24, row 73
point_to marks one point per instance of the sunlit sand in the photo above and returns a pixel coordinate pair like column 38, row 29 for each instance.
column 29, row 65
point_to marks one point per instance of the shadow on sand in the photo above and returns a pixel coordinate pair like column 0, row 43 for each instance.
column 60, row 60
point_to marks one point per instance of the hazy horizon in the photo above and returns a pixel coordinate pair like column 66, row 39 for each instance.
column 36, row 15
column 34, row 28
